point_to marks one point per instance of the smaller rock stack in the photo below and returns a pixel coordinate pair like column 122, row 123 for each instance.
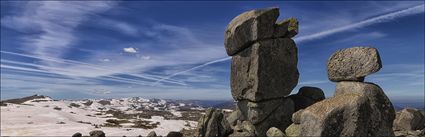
column 357, row 109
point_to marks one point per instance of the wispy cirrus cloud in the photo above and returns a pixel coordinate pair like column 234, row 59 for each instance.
column 374, row 20
column 56, row 21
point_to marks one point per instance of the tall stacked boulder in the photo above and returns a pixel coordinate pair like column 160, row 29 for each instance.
column 357, row 108
column 264, row 67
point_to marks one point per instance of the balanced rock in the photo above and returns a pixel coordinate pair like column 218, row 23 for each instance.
column 213, row 123
column 275, row 132
column 97, row 133
column 249, row 27
column 152, row 134
column 353, row 64
column 313, row 93
column 266, row 70
column 357, row 109
column 409, row 119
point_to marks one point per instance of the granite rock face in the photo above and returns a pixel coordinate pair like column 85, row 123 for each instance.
column 409, row 119
column 343, row 116
column 243, row 129
column 287, row 28
column 263, row 70
column 249, row 27
column 275, row 132
column 213, row 123
column 357, row 108
column 234, row 117
column 293, row 130
column 279, row 118
column 257, row 112
column 266, row 70
column 353, row 64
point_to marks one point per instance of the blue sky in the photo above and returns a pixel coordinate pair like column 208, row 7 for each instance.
column 106, row 49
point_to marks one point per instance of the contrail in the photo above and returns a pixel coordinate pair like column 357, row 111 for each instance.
column 110, row 78
column 73, row 62
column 196, row 67
column 364, row 23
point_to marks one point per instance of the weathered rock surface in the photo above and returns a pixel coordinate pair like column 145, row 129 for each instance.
column 97, row 133
column 293, row 130
column 287, row 28
column 410, row 133
column 234, row 117
column 266, row 70
column 382, row 113
column 256, row 112
column 213, row 123
column 279, row 118
column 249, row 27
column 243, row 129
column 357, row 109
column 313, row 93
column 409, row 119
column 152, row 134
column 353, row 64
column 275, row 132
column 339, row 116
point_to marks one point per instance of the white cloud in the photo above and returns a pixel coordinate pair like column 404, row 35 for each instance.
column 146, row 57
column 120, row 26
column 130, row 50
column 56, row 20
column 105, row 60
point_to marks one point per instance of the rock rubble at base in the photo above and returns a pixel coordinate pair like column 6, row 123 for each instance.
column 409, row 122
